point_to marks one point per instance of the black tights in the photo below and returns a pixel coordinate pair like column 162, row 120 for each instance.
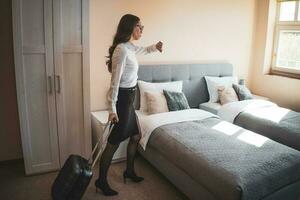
column 131, row 152
column 109, row 152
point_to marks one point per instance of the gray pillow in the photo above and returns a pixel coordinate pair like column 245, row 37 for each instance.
column 242, row 91
column 176, row 100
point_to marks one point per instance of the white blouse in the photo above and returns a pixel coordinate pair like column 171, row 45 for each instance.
column 124, row 70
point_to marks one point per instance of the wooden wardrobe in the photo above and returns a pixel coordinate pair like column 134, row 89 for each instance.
column 51, row 49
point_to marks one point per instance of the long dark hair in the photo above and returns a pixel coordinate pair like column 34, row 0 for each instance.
column 123, row 34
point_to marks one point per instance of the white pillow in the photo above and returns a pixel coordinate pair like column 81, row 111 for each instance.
column 213, row 83
column 175, row 86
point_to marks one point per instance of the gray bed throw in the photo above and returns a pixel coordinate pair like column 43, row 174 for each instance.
column 286, row 131
column 226, row 166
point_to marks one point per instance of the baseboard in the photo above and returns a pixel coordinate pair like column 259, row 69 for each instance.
column 11, row 162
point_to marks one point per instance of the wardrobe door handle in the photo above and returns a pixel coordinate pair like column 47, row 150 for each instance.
column 58, row 84
column 50, row 84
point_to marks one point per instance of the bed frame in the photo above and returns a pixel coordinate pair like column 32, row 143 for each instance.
column 194, row 87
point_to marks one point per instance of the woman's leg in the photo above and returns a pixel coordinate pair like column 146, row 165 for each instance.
column 105, row 160
column 104, row 165
column 131, row 152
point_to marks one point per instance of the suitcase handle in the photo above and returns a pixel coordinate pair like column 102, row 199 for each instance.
column 108, row 124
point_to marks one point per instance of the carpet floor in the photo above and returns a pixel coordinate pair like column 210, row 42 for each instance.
column 15, row 186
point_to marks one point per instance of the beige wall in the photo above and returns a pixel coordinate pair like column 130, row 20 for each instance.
column 10, row 142
column 284, row 91
column 192, row 30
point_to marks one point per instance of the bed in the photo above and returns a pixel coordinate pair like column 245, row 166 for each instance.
column 263, row 117
column 206, row 162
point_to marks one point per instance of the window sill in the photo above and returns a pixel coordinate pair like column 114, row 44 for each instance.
column 284, row 74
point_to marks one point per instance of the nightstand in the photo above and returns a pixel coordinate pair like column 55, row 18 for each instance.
column 99, row 120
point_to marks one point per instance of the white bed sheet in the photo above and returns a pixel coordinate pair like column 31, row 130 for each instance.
column 147, row 123
column 229, row 111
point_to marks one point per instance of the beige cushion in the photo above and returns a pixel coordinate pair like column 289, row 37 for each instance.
column 175, row 86
column 156, row 102
column 227, row 95
column 213, row 83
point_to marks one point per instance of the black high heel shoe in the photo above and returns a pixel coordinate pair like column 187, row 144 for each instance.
column 104, row 187
column 132, row 176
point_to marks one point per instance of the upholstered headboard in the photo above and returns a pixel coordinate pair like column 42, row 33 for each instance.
column 192, row 75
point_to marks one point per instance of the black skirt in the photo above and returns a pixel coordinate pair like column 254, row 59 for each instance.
column 127, row 125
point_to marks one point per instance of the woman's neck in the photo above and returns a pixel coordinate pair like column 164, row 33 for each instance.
column 130, row 42
column 131, row 39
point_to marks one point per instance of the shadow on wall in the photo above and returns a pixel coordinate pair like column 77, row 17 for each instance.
column 10, row 140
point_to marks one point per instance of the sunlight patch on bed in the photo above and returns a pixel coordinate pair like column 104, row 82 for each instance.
column 226, row 127
column 252, row 138
column 270, row 113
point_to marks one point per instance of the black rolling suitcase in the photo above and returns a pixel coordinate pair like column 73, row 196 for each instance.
column 76, row 174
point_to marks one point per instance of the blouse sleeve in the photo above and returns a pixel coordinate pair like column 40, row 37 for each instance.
column 118, row 63
column 145, row 50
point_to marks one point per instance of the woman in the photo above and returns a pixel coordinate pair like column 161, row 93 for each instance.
column 123, row 65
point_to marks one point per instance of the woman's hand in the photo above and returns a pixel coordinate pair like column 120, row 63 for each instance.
column 159, row 46
column 113, row 117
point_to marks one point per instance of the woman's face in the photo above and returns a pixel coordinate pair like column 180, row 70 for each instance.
column 137, row 31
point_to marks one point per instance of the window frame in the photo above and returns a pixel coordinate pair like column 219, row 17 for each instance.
column 279, row 26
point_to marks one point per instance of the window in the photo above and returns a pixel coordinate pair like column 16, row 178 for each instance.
column 286, row 55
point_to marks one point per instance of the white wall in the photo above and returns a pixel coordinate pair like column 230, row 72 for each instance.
column 192, row 30
column 282, row 90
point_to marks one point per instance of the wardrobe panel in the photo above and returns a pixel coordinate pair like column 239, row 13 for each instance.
column 73, row 104
column 33, row 26
column 72, row 22
column 70, row 25
column 37, row 106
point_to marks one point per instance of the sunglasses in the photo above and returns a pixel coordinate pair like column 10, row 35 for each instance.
column 140, row 26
